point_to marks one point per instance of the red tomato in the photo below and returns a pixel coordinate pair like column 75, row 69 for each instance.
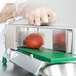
column 60, row 39
column 34, row 40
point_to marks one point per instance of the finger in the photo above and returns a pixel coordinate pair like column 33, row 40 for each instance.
column 44, row 18
column 36, row 17
column 31, row 20
column 43, row 15
column 37, row 21
column 51, row 17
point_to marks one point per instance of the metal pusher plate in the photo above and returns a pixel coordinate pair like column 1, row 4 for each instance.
column 49, row 56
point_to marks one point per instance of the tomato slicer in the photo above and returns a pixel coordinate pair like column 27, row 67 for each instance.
column 35, row 59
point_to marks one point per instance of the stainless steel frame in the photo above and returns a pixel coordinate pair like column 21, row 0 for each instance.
column 27, row 62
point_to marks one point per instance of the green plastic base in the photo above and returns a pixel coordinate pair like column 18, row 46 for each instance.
column 4, row 61
column 50, row 56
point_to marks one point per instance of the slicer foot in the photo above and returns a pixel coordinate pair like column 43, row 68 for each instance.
column 4, row 61
column 37, row 75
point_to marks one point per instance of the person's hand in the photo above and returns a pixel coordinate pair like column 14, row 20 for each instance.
column 40, row 15
column 7, row 12
column 36, row 15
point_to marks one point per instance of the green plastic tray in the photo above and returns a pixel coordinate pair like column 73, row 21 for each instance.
column 50, row 56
